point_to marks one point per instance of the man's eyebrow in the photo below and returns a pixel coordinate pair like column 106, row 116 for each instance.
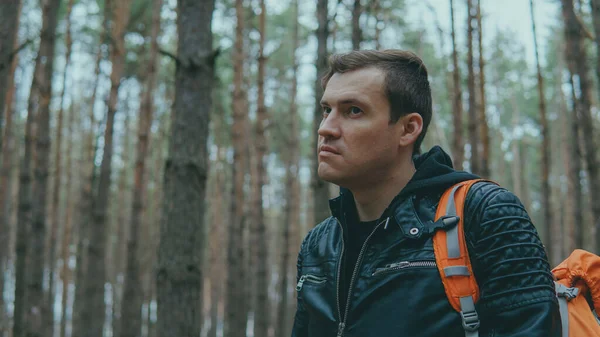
column 343, row 101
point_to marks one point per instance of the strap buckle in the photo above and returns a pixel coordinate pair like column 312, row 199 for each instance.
column 470, row 320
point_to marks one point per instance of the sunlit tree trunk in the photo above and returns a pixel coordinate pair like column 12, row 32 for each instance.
column 179, row 277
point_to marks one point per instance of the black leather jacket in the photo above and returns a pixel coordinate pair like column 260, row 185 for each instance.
column 397, row 290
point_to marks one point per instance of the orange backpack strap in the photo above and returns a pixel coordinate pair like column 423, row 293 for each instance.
column 452, row 257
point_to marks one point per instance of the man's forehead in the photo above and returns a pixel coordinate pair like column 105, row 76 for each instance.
column 355, row 84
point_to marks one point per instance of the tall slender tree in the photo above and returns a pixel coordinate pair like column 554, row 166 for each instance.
column 55, row 201
column 483, row 124
column 261, row 311
column 133, row 296
column 577, row 61
column 29, row 304
column 545, row 150
column 458, row 151
column 473, row 116
column 235, row 303
column 180, row 260
column 96, row 272
column 292, row 203
column 357, row 35
column 319, row 187
column 9, row 26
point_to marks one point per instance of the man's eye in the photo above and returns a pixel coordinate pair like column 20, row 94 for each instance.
column 326, row 110
column 355, row 110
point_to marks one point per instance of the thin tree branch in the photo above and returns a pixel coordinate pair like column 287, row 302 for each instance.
column 12, row 54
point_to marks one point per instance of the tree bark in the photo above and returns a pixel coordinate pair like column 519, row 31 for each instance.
column 180, row 253
column 545, row 150
column 320, row 187
column 84, row 208
column 261, row 311
column 9, row 27
column 589, row 134
column 357, row 37
column 458, row 146
column 96, row 274
column 235, row 304
column 577, row 61
column 133, row 296
column 6, row 185
column 483, row 124
column 68, row 228
column 292, row 187
column 55, row 208
column 473, row 117
column 32, row 206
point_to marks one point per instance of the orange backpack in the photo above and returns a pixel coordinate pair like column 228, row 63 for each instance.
column 577, row 279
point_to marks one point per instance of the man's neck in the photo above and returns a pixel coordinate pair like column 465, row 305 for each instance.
column 371, row 201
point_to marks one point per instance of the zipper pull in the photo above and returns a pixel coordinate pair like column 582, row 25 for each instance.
column 300, row 283
column 398, row 264
column 341, row 329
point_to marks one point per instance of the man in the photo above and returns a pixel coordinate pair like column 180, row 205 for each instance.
column 369, row 269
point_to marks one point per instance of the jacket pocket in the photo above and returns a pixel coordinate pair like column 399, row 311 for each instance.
column 309, row 278
column 403, row 265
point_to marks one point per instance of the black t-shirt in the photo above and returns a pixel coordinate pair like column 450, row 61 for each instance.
column 357, row 234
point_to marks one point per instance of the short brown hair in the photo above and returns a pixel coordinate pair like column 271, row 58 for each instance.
column 406, row 81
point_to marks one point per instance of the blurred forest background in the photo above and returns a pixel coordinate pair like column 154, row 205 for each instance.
column 125, row 212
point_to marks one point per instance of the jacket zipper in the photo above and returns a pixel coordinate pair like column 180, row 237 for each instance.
column 311, row 279
column 403, row 265
column 342, row 324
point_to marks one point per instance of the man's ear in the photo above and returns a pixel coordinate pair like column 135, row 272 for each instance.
column 411, row 128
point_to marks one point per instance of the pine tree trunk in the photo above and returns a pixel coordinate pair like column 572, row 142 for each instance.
column 6, row 185
column 133, row 297
column 292, row 187
column 473, row 118
column 235, row 306
column 9, row 27
column 357, row 10
column 517, row 175
column 320, row 187
column 30, row 308
column 577, row 64
column 261, row 311
column 180, row 253
column 483, row 124
column 84, row 209
column 546, row 163
column 589, row 133
column 96, row 274
column 458, row 150
column 55, row 208
column 68, row 228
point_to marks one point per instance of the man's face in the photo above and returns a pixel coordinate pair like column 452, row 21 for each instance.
column 357, row 144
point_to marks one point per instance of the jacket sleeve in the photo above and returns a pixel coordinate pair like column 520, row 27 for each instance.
column 517, row 296
column 300, row 328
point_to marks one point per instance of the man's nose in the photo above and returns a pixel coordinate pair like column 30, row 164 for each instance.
column 330, row 127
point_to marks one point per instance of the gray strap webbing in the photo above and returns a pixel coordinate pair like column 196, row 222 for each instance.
column 470, row 319
column 564, row 315
column 452, row 234
column 456, row 271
